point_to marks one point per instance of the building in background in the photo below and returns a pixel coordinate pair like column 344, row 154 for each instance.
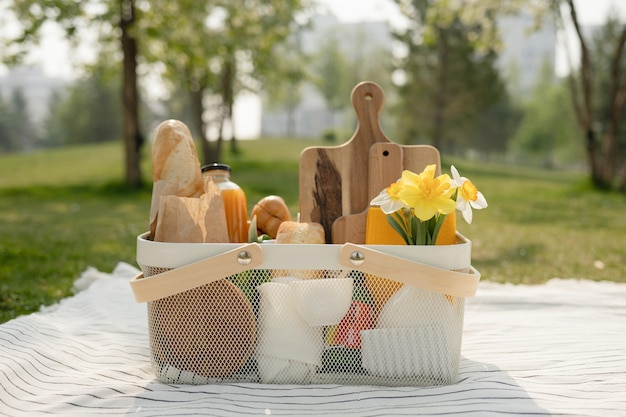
column 360, row 43
column 524, row 52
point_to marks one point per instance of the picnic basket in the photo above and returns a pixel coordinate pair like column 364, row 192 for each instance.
column 299, row 314
column 344, row 312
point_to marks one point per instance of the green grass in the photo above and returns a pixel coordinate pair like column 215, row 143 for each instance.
column 64, row 210
column 545, row 224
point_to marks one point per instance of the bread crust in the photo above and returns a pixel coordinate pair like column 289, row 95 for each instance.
column 174, row 158
column 270, row 212
column 294, row 232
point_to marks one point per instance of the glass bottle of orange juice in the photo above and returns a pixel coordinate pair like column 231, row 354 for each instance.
column 234, row 201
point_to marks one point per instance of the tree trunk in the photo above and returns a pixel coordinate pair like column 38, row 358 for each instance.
column 616, row 104
column 622, row 181
column 585, row 109
column 234, row 145
column 220, row 130
column 440, row 98
column 209, row 153
column 133, row 140
column 228, row 99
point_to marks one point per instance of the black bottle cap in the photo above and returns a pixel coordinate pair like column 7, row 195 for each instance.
column 216, row 167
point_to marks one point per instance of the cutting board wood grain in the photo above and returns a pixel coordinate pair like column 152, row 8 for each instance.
column 335, row 181
column 385, row 167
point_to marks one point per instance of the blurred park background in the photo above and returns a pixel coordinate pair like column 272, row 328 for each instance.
column 525, row 97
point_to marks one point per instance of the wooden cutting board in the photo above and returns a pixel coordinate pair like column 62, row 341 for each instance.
column 335, row 180
column 385, row 167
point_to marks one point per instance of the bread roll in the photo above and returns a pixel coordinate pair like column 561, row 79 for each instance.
column 293, row 232
column 270, row 212
column 174, row 158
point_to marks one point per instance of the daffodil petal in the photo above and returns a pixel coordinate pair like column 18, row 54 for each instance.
column 446, row 205
column 388, row 204
column 393, row 206
column 456, row 178
column 480, row 202
column 380, row 199
column 467, row 214
column 424, row 212
column 461, row 204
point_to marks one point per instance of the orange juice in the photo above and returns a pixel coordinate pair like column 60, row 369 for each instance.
column 235, row 204
column 378, row 231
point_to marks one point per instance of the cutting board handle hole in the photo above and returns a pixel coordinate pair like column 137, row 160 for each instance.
column 385, row 153
column 368, row 97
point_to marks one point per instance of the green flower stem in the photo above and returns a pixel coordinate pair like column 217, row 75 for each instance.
column 414, row 231
column 398, row 222
column 421, row 230
column 437, row 226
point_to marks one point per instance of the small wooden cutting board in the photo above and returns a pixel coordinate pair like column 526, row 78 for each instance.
column 385, row 167
column 335, row 181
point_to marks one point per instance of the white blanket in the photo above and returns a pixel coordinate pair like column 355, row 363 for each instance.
column 554, row 349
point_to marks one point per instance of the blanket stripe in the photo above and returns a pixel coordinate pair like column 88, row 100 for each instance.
column 554, row 349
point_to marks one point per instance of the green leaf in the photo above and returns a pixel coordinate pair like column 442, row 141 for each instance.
column 437, row 226
column 398, row 226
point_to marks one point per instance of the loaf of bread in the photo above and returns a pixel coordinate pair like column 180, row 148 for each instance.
column 294, row 232
column 174, row 158
column 270, row 212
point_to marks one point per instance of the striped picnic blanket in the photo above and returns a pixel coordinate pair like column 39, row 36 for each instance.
column 554, row 349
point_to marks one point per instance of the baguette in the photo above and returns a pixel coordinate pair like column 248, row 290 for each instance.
column 174, row 159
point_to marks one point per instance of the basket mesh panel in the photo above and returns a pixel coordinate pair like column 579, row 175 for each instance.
column 305, row 327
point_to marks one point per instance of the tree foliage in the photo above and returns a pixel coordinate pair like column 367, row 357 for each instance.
column 283, row 87
column 89, row 112
column 451, row 82
column 209, row 49
column 114, row 21
column 345, row 57
column 216, row 50
column 17, row 132
column 329, row 58
column 331, row 75
column 548, row 130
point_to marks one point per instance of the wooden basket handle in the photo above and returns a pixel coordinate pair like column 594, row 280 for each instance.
column 439, row 280
column 196, row 274
column 351, row 256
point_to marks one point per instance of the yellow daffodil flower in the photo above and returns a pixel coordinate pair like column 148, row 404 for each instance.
column 468, row 196
column 426, row 194
column 417, row 204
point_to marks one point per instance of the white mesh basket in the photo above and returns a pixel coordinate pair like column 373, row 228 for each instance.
column 305, row 314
